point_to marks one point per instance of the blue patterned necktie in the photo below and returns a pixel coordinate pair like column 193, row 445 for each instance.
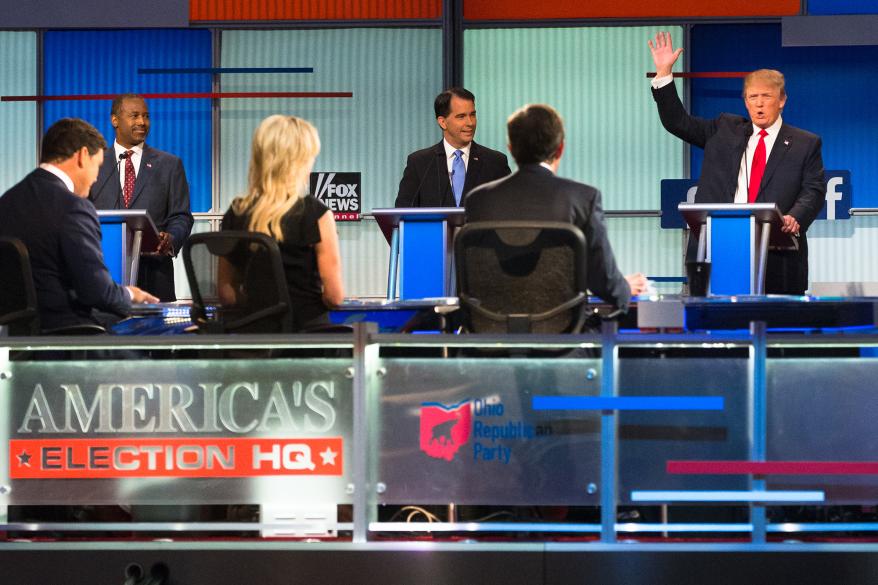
column 458, row 176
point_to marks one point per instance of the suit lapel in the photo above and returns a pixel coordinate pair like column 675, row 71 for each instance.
column 473, row 169
column 446, row 195
column 781, row 146
column 144, row 175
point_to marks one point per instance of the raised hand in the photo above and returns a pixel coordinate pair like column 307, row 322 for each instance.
column 663, row 54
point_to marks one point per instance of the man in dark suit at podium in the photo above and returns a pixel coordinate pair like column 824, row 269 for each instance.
column 442, row 175
column 757, row 160
column 137, row 176
column 48, row 211
column 535, row 192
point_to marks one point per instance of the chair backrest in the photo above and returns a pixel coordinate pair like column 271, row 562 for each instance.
column 237, row 283
column 18, row 297
column 521, row 277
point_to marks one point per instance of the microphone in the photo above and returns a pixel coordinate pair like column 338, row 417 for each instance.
column 116, row 173
column 122, row 156
column 417, row 195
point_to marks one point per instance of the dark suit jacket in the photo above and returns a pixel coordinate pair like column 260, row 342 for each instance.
column 63, row 238
column 793, row 176
column 535, row 193
column 161, row 189
column 425, row 181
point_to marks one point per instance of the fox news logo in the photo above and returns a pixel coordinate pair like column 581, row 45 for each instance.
column 340, row 192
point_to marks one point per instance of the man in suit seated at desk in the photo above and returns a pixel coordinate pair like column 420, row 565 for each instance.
column 535, row 192
column 441, row 175
column 50, row 213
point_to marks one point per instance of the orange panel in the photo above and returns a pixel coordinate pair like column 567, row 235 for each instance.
column 529, row 9
column 243, row 10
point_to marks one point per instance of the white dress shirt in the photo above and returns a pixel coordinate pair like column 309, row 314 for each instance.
column 449, row 155
column 135, row 160
column 68, row 182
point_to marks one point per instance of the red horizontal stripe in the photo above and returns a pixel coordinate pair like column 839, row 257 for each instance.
column 708, row 74
column 165, row 96
column 773, row 467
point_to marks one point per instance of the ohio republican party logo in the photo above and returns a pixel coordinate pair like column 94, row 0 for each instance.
column 445, row 429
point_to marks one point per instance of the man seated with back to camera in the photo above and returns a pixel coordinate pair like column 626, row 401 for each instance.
column 50, row 213
column 535, row 193
column 284, row 149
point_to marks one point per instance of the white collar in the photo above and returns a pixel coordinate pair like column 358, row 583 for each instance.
column 137, row 148
column 772, row 130
column 68, row 182
column 449, row 150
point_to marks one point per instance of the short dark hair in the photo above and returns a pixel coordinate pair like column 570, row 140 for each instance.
column 442, row 105
column 535, row 132
column 68, row 135
column 116, row 106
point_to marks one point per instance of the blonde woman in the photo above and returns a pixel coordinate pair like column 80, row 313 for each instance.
column 283, row 153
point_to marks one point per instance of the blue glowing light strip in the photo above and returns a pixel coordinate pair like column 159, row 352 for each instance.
column 627, row 403
column 213, row 70
column 629, row 527
column 726, row 496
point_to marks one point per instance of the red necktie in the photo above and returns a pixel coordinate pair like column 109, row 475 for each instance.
column 758, row 168
column 128, row 189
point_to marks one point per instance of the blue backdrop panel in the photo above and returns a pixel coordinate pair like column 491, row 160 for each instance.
column 107, row 62
column 842, row 6
column 831, row 91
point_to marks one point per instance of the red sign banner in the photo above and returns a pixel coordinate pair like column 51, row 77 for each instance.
column 173, row 457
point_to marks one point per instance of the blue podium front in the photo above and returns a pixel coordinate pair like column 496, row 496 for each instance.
column 420, row 250
column 735, row 239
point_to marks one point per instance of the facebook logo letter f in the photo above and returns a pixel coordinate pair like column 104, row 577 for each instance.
column 838, row 196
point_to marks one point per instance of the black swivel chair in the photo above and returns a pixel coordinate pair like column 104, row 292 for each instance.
column 521, row 277
column 237, row 283
column 18, row 296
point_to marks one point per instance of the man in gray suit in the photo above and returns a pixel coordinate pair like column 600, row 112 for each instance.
column 137, row 176
column 535, row 192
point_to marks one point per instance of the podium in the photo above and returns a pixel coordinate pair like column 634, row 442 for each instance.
column 420, row 250
column 124, row 234
column 735, row 240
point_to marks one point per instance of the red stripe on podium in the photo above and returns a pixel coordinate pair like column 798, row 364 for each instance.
column 773, row 467
column 196, row 95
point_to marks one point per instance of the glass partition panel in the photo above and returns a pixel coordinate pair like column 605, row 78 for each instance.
column 648, row 439
column 465, row 431
column 824, row 410
column 186, row 431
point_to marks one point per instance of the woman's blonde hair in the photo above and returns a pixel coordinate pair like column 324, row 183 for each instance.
column 283, row 153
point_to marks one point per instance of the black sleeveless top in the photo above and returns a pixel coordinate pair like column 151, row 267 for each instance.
column 299, row 257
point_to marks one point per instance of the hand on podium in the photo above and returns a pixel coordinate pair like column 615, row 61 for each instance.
column 790, row 225
column 139, row 296
column 165, row 247
column 638, row 283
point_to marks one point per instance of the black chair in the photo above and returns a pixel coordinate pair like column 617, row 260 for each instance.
column 521, row 277
column 238, row 285
column 18, row 296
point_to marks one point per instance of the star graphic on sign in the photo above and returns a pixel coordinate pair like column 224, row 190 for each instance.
column 328, row 456
column 24, row 459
